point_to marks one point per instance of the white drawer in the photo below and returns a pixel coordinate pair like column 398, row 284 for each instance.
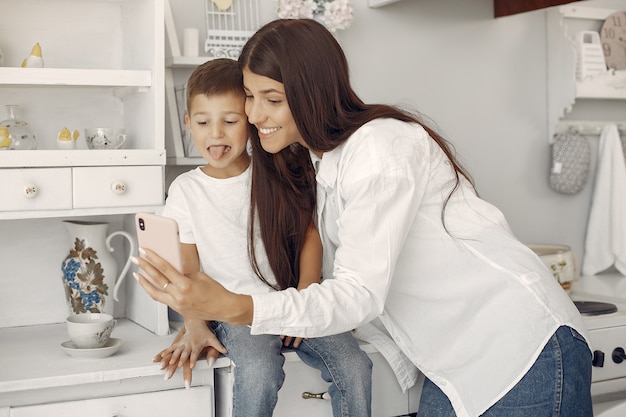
column 119, row 186
column 197, row 402
column 35, row 189
column 387, row 397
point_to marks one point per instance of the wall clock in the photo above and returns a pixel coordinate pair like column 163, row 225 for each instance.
column 613, row 37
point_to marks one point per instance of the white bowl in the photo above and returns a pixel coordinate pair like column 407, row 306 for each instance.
column 560, row 260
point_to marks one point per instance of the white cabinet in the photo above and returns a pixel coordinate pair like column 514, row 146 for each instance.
column 104, row 67
column 177, row 70
column 29, row 191
column 566, row 93
column 197, row 402
column 388, row 400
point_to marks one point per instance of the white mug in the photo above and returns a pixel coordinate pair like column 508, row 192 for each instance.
column 90, row 330
column 104, row 137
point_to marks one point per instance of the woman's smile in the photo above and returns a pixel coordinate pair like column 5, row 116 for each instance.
column 267, row 131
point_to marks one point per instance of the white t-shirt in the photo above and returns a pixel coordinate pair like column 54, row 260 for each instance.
column 213, row 214
column 472, row 308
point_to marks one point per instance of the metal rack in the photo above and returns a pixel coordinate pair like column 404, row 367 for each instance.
column 586, row 127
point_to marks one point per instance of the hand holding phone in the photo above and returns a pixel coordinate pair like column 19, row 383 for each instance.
column 160, row 234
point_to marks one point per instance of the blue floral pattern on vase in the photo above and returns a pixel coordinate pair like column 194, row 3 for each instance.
column 83, row 279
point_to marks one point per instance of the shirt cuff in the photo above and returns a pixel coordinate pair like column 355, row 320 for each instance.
column 267, row 313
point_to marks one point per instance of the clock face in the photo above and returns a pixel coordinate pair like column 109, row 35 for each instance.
column 613, row 37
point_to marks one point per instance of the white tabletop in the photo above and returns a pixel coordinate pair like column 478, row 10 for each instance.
column 31, row 358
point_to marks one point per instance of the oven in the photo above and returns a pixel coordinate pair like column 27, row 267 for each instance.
column 602, row 302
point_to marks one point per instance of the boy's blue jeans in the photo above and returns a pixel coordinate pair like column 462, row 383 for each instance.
column 558, row 384
column 258, row 371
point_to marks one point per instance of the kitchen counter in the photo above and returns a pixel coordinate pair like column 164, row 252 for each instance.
column 35, row 369
column 608, row 284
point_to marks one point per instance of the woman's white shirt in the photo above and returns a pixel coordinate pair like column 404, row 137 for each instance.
column 470, row 306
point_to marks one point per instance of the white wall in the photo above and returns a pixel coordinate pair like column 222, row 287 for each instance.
column 483, row 82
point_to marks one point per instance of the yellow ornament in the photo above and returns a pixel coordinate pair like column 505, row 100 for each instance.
column 67, row 140
column 223, row 5
column 65, row 134
column 5, row 140
column 35, row 59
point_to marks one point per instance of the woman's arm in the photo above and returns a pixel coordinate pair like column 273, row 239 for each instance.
column 310, row 270
column 197, row 295
column 310, row 258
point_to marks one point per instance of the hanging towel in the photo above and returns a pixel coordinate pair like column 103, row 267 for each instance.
column 605, row 245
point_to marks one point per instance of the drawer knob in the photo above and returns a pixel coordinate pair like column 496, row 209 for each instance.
column 311, row 396
column 30, row 191
column 118, row 187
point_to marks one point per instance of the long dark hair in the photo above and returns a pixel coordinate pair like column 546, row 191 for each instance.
column 283, row 197
column 306, row 58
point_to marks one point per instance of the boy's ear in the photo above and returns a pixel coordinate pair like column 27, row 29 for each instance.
column 187, row 120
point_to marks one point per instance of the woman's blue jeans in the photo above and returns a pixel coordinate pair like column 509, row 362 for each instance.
column 258, row 371
column 557, row 385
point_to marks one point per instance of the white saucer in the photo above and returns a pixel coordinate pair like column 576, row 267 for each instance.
column 112, row 346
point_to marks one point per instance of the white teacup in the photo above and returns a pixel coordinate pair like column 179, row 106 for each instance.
column 90, row 330
column 104, row 137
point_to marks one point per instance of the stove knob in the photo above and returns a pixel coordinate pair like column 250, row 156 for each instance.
column 619, row 355
column 598, row 359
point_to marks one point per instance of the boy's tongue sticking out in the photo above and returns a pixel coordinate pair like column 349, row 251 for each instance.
column 218, row 151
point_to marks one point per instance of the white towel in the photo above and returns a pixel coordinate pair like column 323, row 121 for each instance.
column 605, row 244
column 402, row 367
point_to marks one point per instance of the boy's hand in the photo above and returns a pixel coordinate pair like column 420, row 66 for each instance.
column 190, row 343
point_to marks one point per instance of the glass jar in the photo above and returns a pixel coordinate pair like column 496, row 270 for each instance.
column 21, row 137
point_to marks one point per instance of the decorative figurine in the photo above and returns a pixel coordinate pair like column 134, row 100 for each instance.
column 223, row 5
column 67, row 140
column 5, row 140
column 35, row 59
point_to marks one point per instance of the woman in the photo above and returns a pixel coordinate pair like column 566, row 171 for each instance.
column 406, row 239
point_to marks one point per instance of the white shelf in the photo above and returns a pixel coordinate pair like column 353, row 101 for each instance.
column 583, row 12
column 564, row 89
column 52, row 214
column 186, row 61
column 183, row 160
column 610, row 85
column 74, row 77
column 60, row 158
column 374, row 4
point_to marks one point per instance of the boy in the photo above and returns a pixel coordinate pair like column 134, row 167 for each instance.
column 212, row 207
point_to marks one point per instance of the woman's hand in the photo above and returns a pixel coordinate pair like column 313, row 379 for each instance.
column 196, row 296
column 291, row 341
column 194, row 339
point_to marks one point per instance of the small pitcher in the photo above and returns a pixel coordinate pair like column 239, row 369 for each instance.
column 89, row 269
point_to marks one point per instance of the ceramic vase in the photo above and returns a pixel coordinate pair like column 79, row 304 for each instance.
column 90, row 275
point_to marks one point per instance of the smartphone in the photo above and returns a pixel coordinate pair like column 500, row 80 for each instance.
column 160, row 234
